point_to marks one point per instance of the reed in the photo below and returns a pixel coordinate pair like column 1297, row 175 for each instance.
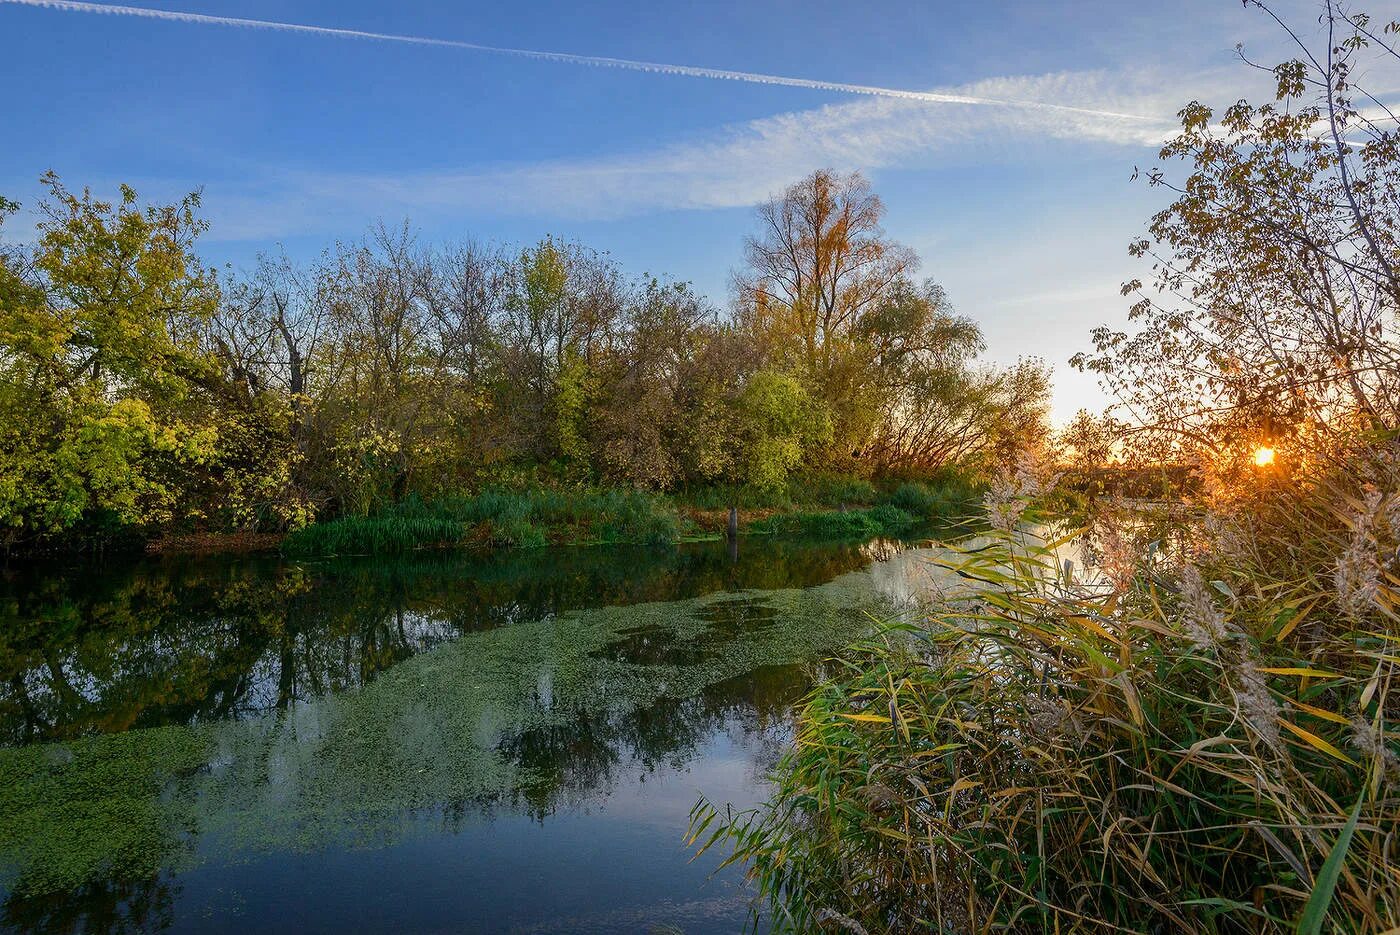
column 881, row 520
column 955, row 497
column 1164, row 747
column 500, row 518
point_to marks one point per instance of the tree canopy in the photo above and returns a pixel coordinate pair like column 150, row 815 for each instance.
column 141, row 393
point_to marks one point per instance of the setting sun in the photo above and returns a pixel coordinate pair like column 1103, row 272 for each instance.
column 1263, row 457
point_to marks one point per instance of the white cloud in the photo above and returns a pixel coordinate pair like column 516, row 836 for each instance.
column 732, row 167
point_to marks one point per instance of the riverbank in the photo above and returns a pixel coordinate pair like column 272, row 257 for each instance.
column 533, row 517
column 536, row 518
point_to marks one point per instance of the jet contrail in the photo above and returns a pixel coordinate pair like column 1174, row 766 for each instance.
column 689, row 71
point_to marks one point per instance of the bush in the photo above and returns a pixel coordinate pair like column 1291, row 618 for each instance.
column 1157, row 750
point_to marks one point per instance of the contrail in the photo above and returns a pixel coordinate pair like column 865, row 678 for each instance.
column 689, row 71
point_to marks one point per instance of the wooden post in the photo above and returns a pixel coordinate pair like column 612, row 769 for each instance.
column 733, row 532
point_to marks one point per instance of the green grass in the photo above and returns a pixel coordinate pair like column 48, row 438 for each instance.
column 501, row 518
column 834, row 524
column 944, row 495
column 955, row 497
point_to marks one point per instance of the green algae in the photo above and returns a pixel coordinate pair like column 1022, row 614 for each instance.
column 492, row 717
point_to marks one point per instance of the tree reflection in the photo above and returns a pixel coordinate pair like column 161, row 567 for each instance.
column 521, row 712
column 115, row 647
column 111, row 906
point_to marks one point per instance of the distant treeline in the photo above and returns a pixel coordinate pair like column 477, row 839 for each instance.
column 141, row 394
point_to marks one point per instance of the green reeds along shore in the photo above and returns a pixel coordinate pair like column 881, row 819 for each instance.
column 829, row 506
column 880, row 520
column 496, row 518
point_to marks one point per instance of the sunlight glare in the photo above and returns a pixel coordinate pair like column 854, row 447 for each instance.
column 1263, row 457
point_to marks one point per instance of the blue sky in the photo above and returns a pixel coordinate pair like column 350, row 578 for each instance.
column 1023, row 212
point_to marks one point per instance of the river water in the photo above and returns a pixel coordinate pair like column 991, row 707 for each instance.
column 443, row 743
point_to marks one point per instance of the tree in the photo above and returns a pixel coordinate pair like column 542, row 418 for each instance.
column 648, row 405
column 781, row 425
column 830, row 300
column 819, row 267
column 105, row 393
column 1277, row 266
column 559, row 308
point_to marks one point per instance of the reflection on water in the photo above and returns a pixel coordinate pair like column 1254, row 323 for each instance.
column 110, row 648
column 442, row 743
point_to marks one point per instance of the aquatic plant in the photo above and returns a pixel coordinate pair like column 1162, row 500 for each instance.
column 515, row 519
column 837, row 524
column 1174, row 752
column 458, row 726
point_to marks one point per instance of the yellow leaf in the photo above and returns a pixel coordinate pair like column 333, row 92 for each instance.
column 1014, row 790
column 1313, row 673
column 961, row 784
column 1316, row 741
column 1319, row 712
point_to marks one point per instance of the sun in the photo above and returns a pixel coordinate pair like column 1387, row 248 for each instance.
column 1263, row 457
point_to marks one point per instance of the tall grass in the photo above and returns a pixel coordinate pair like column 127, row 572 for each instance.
column 947, row 495
column 881, row 520
column 1161, row 748
column 495, row 518
column 953, row 498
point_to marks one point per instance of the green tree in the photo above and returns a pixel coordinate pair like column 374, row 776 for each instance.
column 781, row 427
column 103, row 387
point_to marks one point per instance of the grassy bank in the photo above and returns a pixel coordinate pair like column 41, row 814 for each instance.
column 944, row 495
column 883, row 520
column 824, row 505
column 496, row 518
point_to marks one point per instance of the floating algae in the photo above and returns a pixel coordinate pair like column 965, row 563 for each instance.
column 531, row 713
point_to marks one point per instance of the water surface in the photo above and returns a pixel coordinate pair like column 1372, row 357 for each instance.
column 452, row 742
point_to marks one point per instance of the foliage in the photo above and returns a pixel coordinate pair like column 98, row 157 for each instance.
column 104, row 413
column 1159, row 746
column 1271, row 320
column 140, row 398
column 951, row 498
column 782, row 425
column 833, row 489
column 829, row 299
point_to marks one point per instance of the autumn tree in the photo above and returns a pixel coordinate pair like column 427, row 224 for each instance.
column 832, row 301
column 1271, row 314
column 818, row 266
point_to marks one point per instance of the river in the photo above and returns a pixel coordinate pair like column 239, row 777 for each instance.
column 450, row 742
